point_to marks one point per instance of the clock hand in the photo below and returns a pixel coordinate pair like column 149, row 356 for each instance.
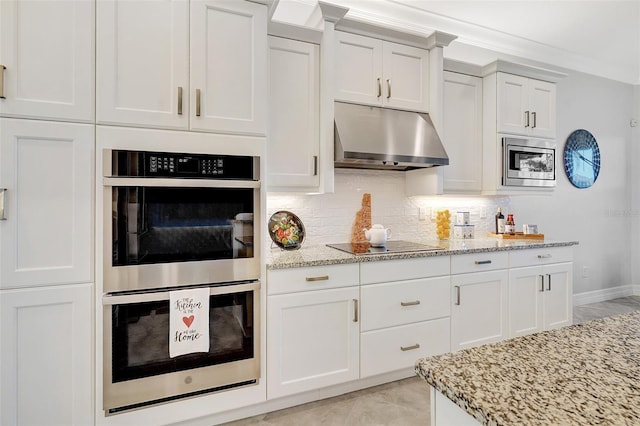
column 586, row 160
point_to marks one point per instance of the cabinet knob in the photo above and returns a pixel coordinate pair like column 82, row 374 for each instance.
column 413, row 303
column 179, row 100
column 526, row 119
column 355, row 310
column 457, row 294
column 409, row 348
column 320, row 278
column 198, row 95
column 388, row 88
column 379, row 87
column 2, row 197
column 2, row 68
column 534, row 120
column 483, row 262
column 544, row 256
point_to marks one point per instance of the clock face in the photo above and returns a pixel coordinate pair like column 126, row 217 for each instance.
column 582, row 159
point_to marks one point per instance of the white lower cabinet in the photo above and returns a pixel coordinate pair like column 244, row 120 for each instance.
column 540, row 297
column 403, row 319
column 479, row 308
column 46, row 352
column 313, row 334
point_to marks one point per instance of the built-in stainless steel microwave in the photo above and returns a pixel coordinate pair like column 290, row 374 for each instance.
column 528, row 162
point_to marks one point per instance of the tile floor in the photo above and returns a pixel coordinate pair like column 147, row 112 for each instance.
column 405, row 402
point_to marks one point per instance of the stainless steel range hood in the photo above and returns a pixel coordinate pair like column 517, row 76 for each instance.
column 380, row 138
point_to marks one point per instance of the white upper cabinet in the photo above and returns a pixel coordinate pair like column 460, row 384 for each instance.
column 375, row 72
column 462, row 133
column 294, row 129
column 229, row 66
column 173, row 64
column 143, row 63
column 47, row 51
column 47, row 171
column 526, row 106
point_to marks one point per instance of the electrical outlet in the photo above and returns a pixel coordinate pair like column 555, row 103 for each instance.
column 585, row 272
column 483, row 212
column 633, row 122
column 422, row 213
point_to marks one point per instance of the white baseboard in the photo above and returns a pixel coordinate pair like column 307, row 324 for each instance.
column 605, row 294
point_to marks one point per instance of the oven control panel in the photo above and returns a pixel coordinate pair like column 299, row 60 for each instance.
column 178, row 165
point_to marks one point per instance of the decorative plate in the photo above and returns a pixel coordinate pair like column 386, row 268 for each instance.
column 582, row 159
column 286, row 230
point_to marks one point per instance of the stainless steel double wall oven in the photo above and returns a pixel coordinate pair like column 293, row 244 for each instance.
column 176, row 221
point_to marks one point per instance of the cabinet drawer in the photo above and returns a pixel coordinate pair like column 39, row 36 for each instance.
column 399, row 347
column 541, row 256
column 404, row 269
column 391, row 304
column 478, row 262
column 312, row 278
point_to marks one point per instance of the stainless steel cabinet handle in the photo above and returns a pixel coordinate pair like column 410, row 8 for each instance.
column 355, row 310
column 534, row 120
column 483, row 262
column 409, row 348
column 541, row 283
column 197, row 102
column 315, row 165
column 2, row 195
column 544, row 256
column 2, row 68
column 320, row 278
column 379, row 87
column 388, row 88
column 526, row 114
column 549, row 282
column 457, row 294
column 179, row 100
column 415, row 302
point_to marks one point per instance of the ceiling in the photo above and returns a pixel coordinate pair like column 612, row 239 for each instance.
column 600, row 37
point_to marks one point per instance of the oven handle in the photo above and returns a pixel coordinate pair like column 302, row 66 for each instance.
column 152, row 296
column 181, row 183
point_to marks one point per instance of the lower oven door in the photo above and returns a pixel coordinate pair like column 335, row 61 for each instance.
column 138, row 370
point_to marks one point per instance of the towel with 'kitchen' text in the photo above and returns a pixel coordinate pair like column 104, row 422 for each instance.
column 188, row 321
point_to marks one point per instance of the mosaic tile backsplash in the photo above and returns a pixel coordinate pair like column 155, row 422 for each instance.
column 328, row 218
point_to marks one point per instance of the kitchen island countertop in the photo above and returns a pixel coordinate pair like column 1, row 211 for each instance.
column 577, row 375
column 317, row 255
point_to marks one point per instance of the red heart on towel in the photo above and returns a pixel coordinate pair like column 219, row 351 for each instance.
column 188, row 320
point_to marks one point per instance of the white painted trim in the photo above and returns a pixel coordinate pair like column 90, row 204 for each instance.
column 605, row 294
column 302, row 398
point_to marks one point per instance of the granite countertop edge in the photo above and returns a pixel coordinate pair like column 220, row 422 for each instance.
column 321, row 255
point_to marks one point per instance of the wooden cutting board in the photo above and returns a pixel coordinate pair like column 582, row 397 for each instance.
column 518, row 236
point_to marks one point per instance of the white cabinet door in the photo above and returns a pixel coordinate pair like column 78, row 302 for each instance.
column 526, row 106
column 313, row 340
column 46, row 350
column 47, row 170
column 540, row 298
column 294, row 115
column 513, row 103
column 47, row 48
column 228, row 66
column 479, row 308
column 358, row 74
column 526, row 299
column 558, row 303
column 143, row 63
column 542, row 100
column 462, row 132
column 406, row 77
column 375, row 72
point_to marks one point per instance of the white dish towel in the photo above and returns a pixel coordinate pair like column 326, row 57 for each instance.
column 188, row 321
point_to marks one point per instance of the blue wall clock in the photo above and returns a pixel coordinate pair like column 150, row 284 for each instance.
column 582, row 159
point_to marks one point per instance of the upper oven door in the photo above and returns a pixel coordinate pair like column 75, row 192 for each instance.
column 528, row 163
column 166, row 232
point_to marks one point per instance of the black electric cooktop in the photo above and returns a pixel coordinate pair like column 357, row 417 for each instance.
column 390, row 247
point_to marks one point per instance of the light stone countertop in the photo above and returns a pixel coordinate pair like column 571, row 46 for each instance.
column 584, row 374
column 319, row 255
